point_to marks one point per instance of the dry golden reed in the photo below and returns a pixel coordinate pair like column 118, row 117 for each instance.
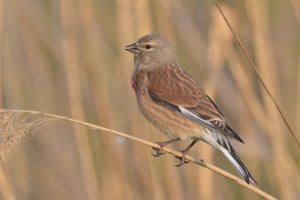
column 67, row 57
column 18, row 123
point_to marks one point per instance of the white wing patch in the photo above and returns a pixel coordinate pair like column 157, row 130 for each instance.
column 195, row 117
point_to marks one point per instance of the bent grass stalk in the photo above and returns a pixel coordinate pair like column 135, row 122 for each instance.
column 260, row 78
column 15, row 124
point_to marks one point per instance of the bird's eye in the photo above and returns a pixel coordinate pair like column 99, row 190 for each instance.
column 148, row 46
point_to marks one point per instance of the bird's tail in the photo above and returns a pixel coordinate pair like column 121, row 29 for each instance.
column 238, row 164
column 222, row 143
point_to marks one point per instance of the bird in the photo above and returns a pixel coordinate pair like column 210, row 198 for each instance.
column 175, row 103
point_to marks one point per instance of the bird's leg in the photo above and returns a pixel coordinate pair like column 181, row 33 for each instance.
column 184, row 152
column 158, row 151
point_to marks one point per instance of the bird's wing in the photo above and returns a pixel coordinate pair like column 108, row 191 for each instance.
column 175, row 88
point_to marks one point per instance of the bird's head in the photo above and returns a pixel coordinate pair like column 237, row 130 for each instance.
column 150, row 49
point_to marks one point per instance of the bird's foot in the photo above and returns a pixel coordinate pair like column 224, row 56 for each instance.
column 158, row 151
column 182, row 159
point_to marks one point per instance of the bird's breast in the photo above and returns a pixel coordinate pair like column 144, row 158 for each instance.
column 139, row 81
column 170, row 122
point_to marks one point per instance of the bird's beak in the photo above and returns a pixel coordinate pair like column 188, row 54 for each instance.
column 133, row 48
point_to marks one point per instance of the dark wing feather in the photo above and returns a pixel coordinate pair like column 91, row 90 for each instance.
column 175, row 88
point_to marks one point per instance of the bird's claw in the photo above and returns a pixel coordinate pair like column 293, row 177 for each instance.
column 157, row 152
column 182, row 159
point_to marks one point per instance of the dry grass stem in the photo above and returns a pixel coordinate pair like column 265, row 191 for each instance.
column 68, row 57
column 260, row 78
column 15, row 124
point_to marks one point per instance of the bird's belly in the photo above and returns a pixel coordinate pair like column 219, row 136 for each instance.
column 170, row 122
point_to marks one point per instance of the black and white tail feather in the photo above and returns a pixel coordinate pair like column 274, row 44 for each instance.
column 222, row 143
column 217, row 134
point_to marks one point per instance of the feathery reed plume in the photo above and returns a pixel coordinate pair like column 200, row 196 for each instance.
column 14, row 126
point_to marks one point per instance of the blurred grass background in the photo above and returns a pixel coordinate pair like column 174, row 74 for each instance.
column 67, row 57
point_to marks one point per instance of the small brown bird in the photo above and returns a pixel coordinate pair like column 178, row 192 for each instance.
column 174, row 102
